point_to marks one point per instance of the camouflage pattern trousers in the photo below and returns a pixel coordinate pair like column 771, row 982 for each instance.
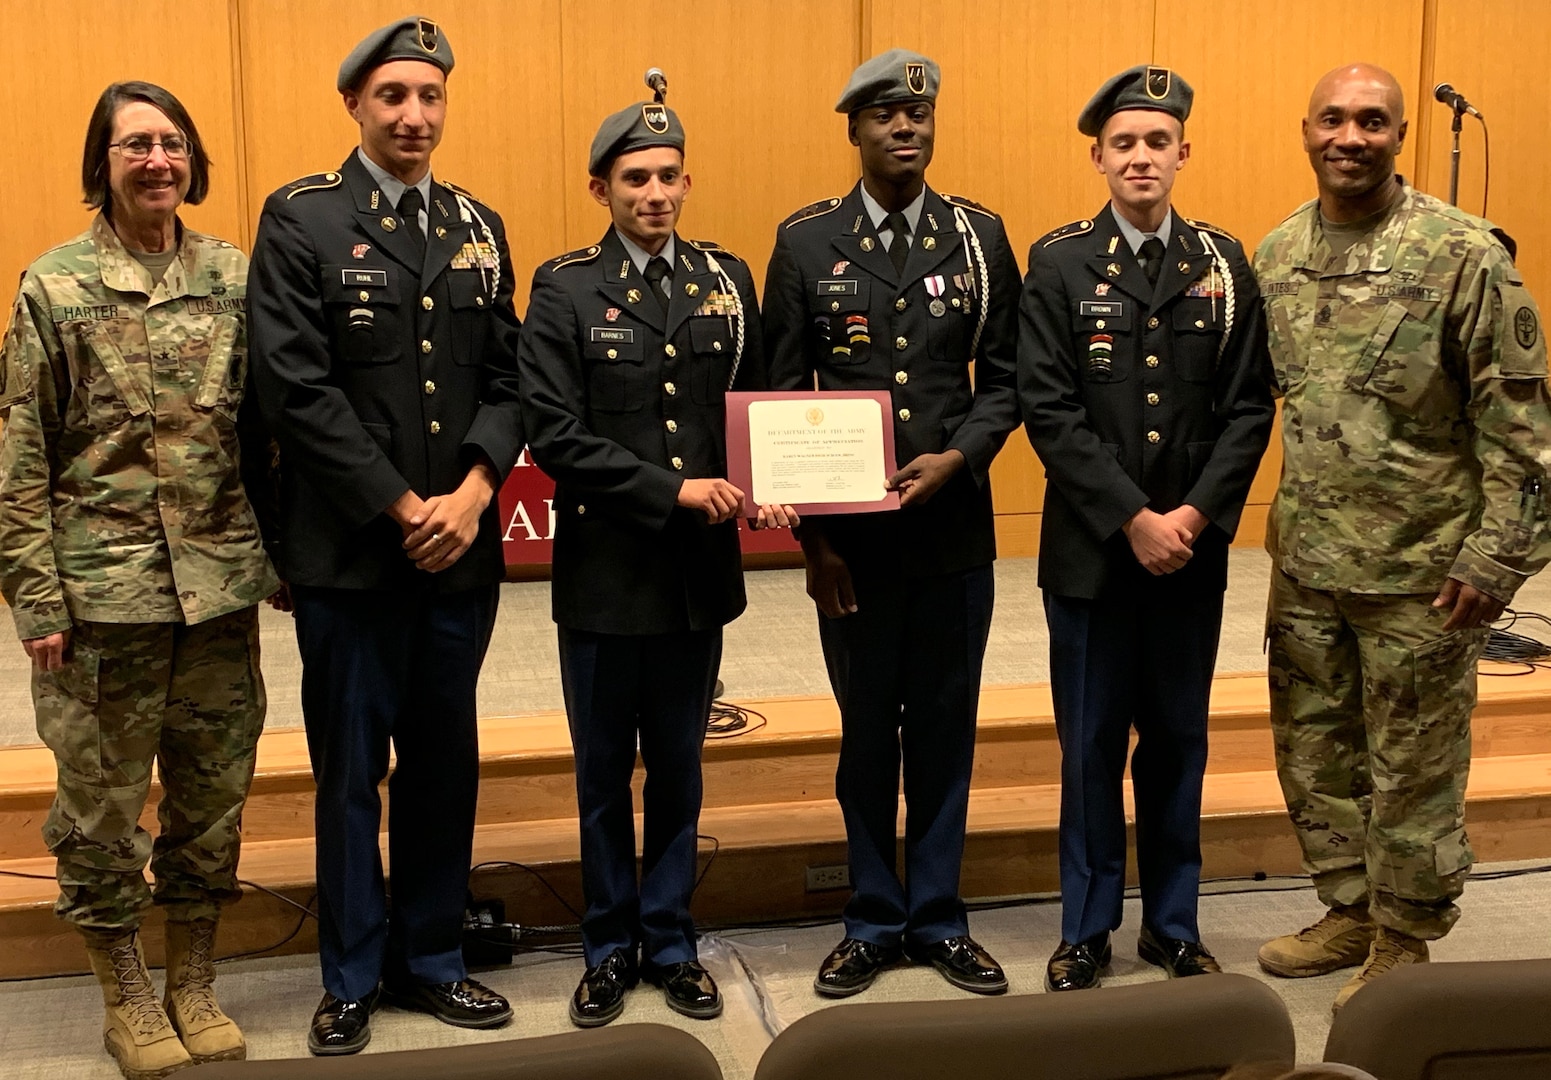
column 1370, row 710
column 189, row 698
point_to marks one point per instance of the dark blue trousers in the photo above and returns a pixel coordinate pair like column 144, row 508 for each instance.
column 621, row 691
column 381, row 667
column 1142, row 660
column 905, row 669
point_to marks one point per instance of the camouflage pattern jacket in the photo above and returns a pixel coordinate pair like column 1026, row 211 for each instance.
column 120, row 494
column 1416, row 432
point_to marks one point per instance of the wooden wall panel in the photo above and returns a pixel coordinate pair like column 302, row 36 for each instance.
column 503, row 135
column 61, row 56
column 1015, row 74
column 754, row 85
column 1498, row 53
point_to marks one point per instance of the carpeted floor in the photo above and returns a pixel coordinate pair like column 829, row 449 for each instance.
column 772, row 650
column 50, row 1029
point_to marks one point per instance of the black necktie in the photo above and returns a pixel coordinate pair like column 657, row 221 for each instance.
column 658, row 277
column 410, row 205
column 899, row 246
column 1151, row 258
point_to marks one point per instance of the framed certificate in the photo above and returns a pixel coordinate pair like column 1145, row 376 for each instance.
column 821, row 452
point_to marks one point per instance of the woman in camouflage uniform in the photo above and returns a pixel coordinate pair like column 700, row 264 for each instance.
column 131, row 558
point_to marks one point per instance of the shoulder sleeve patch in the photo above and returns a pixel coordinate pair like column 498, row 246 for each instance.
column 967, row 204
column 573, row 258
column 1207, row 226
column 812, row 210
column 1520, row 340
column 315, row 182
column 1065, row 232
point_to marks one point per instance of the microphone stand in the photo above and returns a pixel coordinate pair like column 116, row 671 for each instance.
column 1459, row 119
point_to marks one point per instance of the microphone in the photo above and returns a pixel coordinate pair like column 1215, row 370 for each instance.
column 1451, row 97
column 659, row 84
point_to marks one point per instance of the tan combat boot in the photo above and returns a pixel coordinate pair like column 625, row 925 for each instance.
column 1391, row 949
column 1340, row 939
column 208, row 1034
column 136, row 1030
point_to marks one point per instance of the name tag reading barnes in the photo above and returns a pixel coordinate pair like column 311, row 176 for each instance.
column 828, row 452
column 364, row 277
column 618, row 336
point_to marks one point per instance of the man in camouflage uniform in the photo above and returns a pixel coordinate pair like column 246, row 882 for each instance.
column 130, row 556
column 1410, row 509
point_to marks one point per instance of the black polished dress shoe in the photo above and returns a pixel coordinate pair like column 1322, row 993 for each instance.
column 1176, row 956
column 963, row 963
column 341, row 1027
column 465, row 1003
column 852, row 965
column 1076, row 967
column 600, row 996
column 688, row 987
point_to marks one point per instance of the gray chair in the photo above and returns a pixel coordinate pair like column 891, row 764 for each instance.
column 1185, row 1029
column 622, row 1050
column 1486, row 1020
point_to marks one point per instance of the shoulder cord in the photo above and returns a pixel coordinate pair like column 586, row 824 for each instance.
column 727, row 286
column 975, row 259
column 468, row 214
column 1226, row 273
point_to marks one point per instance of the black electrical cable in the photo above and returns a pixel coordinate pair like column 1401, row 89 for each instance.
column 510, row 864
column 1486, row 164
column 729, row 720
column 1505, row 647
column 306, row 913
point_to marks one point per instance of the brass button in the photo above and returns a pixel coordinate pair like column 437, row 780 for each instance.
column 1200, row 324
column 670, row 350
column 580, row 509
column 430, row 387
column 678, row 463
column 673, row 425
column 955, row 301
column 901, row 377
column 901, row 304
column 1151, row 361
column 904, row 415
column 427, row 303
column 900, row 343
column 613, row 354
column 834, row 305
column 479, row 301
column 1152, row 323
column 1100, row 324
column 1153, row 399
column 670, row 389
column 425, row 346
column 436, row 427
column 1153, row 436
column 365, row 296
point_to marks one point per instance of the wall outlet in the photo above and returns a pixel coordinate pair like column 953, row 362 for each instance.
column 820, row 878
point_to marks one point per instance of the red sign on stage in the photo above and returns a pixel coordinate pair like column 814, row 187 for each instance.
column 528, row 514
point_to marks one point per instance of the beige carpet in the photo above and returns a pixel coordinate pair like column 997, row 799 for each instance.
column 49, row 1029
column 772, row 650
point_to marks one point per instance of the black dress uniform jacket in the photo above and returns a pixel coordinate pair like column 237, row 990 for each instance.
column 1132, row 401
column 379, row 372
column 835, row 305
column 622, row 403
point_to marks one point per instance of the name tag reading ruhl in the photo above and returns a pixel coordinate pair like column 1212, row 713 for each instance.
column 364, row 277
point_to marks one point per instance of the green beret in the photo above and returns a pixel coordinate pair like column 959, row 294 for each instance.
column 888, row 78
column 644, row 124
column 414, row 38
column 1141, row 87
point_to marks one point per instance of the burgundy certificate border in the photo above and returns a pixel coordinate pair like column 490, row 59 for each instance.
column 740, row 470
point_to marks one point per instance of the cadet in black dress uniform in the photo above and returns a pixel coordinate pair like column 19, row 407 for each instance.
column 629, row 349
column 1145, row 385
column 896, row 287
column 384, row 355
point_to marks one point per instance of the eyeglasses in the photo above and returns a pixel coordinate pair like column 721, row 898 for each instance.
column 138, row 147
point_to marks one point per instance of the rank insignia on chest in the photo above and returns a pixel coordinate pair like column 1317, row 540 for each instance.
column 611, row 315
column 716, row 303
column 474, row 256
column 1209, row 284
column 1101, row 289
column 360, row 250
column 840, row 267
